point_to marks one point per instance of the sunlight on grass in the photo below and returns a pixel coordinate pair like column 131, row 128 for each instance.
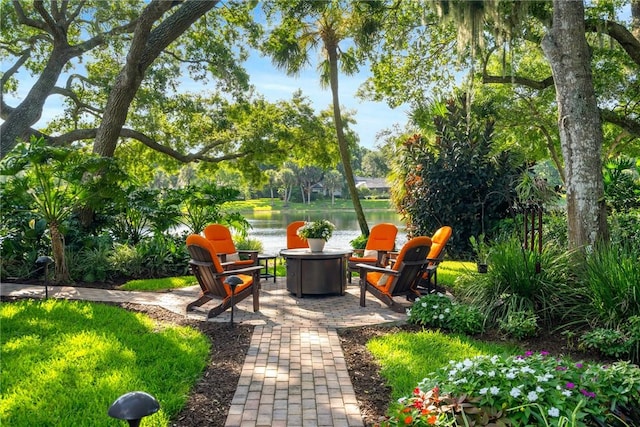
column 448, row 271
column 161, row 284
column 406, row 358
column 70, row 372
column 266, row 204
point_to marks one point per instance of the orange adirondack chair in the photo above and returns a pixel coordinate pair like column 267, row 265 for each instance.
column 293, row 240
column 429, row 281
column 206, row 267
column 398, row 279
column 382, row 240
column 220, row 237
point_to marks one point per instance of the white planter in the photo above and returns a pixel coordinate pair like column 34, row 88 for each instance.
column 316, row 245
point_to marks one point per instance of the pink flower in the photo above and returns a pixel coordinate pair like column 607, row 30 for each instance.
column 570, row 385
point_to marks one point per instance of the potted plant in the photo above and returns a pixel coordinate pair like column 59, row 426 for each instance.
column 481, row 250
column 316, row 233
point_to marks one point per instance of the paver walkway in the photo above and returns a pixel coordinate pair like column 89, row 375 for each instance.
column 294, row 373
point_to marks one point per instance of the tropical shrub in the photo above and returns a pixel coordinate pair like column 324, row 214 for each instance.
column 610, row 285
column 439, row 311
column 534, row 389
column 519, row 324
column 457, row 177
column 622, row 183
column 513, row 283
column 622, row 343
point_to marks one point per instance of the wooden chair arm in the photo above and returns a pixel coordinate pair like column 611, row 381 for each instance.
column 372, row 268
column 247, row 270
column 251, row 253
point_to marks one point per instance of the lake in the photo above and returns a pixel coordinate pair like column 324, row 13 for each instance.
column 270, row 227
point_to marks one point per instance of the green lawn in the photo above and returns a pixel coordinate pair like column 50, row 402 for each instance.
column 159, row 285
column 65, row 362
column 406, row 358
column 264, row 204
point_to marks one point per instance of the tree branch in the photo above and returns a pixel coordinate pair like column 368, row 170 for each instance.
column 74, row 97
column 201, row 155
column 628, row 124
column 533, row 84
column 619, row 33
column 22, row 18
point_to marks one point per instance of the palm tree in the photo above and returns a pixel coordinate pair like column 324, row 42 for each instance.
column 306, row 26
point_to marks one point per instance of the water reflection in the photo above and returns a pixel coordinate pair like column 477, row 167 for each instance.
column 270, row 227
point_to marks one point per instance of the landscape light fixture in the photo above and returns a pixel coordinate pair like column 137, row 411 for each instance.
column 43, row 263
column 233, row 281
column 133, row 406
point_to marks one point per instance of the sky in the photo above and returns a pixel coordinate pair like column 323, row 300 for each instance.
column 372, row 117
column 275, row 85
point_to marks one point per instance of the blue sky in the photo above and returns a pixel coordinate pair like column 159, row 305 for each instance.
column 274, row 85
column 371, row 117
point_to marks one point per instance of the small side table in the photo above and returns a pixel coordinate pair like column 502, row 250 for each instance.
column 263, row 260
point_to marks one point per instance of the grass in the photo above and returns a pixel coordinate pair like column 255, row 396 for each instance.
column 65, row 362
column 266, row 204
column 406, row 358
column 448, row 271
column 159, row 285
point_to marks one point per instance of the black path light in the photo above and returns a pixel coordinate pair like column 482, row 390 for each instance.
column 133, row 406
column 233, row 281
column 43, row 263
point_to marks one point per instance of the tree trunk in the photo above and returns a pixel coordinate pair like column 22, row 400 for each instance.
column 566, row 49
column 146, row 45
column 18, row 124
column 635, row 18
column 57, row 247
column 342, row 141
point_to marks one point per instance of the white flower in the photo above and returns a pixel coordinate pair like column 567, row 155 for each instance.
column 435, row 316
column 527, row 370
column 491, row 374
column 467, row 363
column 483, row 390
column 435, row 307
column 480, row 372
column 515, row 392
column 441, row 317
column 532, row 396
column 539, row 389
column 408, row 312
column 553, row 412
column 424, row 304
column 494, row 390
column 567, row 393
column 447, row 310
column 510, row 375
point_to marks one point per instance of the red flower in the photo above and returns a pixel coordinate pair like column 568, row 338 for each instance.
column 432, row 419
column 408, row 419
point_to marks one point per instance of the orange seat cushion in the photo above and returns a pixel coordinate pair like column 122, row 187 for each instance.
column 246, row 282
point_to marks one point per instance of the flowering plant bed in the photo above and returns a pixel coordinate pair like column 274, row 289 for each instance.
column 321, row 229
column 534, row 389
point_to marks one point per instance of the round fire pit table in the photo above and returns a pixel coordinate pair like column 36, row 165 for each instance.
column 316, row 273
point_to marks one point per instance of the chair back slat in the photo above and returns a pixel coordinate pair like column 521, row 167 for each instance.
column 205, row 265
column 293, row 240
column 410, row 264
